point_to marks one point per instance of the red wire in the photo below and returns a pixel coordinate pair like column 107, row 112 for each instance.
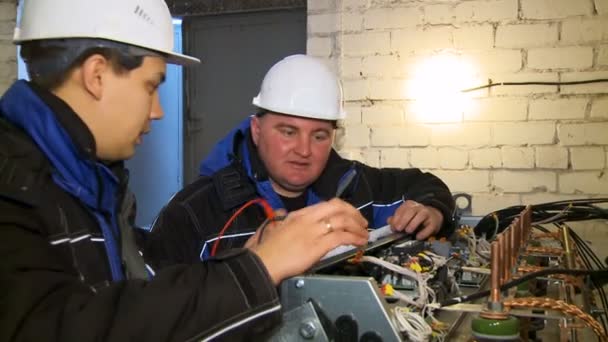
column 267, row 210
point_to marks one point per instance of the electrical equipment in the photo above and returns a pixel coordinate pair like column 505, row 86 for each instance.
column 544, row 283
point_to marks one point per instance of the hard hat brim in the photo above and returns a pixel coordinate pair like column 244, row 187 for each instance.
column 180, row 59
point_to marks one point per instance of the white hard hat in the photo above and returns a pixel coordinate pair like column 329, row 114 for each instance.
column 304, row 86
column 141, row 23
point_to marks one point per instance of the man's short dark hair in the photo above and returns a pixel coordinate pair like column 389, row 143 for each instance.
column 49, row 62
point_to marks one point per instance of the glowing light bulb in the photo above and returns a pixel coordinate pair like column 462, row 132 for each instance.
column 435, row 89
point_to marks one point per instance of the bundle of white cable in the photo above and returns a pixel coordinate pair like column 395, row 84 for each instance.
column 483, row 248
column 417, row 329
column 424, row 291
column 437, row 259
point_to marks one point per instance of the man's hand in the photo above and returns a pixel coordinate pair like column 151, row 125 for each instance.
column 411, row 215
column 293, row 245
column 255, row 238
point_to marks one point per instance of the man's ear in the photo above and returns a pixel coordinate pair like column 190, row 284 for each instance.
column 92, row 71
column 255, row 129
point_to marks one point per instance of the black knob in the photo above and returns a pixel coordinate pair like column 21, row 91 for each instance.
column 370, row 336
column 347, row 329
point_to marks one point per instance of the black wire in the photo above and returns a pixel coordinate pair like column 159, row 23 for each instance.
column 585, row 251
column 491, row 84
column 569, row 210
column 523, row 279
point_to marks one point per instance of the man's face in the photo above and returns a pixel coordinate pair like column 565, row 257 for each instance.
column 293, row 149
column 129, row 103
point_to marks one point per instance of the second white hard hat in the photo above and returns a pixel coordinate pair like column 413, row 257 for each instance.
column 146, row 24
column 303, row 86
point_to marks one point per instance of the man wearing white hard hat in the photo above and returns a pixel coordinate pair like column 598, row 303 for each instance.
column 69, row 266
column 283, row 156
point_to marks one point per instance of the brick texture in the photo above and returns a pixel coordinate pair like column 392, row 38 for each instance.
column 587, row 158
column 551, row 157
column 8, row 51
column 526, row 35
column 550, row 9
column 513, row 144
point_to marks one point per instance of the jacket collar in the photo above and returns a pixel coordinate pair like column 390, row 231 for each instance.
column 66, row 142
column 76, row 129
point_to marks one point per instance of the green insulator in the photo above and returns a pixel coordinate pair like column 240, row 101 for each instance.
column 523, row 290
column 486, row 330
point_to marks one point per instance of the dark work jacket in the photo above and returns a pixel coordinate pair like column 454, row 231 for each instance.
column 233, row 174
column 60, row 279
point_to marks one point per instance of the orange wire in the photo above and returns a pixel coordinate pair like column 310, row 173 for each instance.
column 267, row 210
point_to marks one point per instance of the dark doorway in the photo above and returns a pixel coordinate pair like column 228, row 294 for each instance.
column 237, row 49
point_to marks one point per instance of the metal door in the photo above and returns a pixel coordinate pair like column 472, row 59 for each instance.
column 237, row 50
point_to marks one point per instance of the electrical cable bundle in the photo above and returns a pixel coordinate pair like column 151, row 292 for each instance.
column 552, row 212
column 556, row 213
column 592, row 262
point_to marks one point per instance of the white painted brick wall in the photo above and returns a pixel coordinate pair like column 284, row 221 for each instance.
column 583, row 134
column 560, row 58
column 525, row 133
column 352, row 22
column 453, row 158
column 526, row 35
column 587, row 158
column 357, row 136
column 7, row 11
column 496, row 60
column 550, row 9
column 383, row 114
column 6, row 30
column 355, row 90
column 381, row 66
column 487, row 203
column 593, row 88
column 424, row 158
column 351, row 68
column 8, row 52
column 599, row 108
column 319, row 5
column 601, row 6
column 383, row 18
column 584, row 182
column 551, row 157
column 438, row 14
column 602, row 55
column 471, row 134
column 371, row 157
column 486, row 10
column 353, row 114
column 498, row 109
column 386, row 136
column 414, row 40
column 359, row 44
column 564, row 108
column 584, row 29
column 395, row 157
column 524, row 181
column 386, row 89
column 352, row 4
column 517, row 157
column 319, row 46
column 470, row 181
column 474, row 37
column 516, row 144
column 486, row 158
column 322, row 23
column 415, row 135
